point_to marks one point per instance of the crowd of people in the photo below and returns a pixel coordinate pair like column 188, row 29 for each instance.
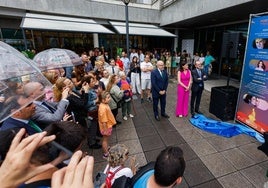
column 82, row 105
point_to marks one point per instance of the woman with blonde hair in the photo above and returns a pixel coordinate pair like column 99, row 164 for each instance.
column 52, row 76
column 77, row 100
column 116, row 95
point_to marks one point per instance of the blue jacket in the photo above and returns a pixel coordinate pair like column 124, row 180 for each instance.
column 10, row 123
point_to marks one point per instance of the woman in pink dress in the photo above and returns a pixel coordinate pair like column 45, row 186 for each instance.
column 184, row 84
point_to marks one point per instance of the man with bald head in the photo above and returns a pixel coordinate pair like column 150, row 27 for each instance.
column 199, row 76
column 87, row 63
column 45, row 112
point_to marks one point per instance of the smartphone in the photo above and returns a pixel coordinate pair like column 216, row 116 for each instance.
column 72, row 114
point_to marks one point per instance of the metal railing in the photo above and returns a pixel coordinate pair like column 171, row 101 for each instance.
column 166, row 3
column 163, row 3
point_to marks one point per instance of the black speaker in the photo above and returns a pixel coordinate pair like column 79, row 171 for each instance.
column 223, row 101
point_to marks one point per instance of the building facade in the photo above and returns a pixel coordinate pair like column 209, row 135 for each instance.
column 208, row 23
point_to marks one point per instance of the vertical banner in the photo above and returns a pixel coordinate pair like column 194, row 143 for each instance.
column 252, row 106
column 119, row 51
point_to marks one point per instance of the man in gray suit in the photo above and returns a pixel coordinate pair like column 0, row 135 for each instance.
column 46, row 112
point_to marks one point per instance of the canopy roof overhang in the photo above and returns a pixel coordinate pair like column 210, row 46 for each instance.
column 62, row 23
column 141, row 29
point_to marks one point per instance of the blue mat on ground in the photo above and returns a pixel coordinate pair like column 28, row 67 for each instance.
column 223, row 128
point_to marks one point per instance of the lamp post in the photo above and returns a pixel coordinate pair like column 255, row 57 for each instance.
column 127, row 28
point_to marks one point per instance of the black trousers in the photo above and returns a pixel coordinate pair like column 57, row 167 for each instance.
column 195, row 100
column 115, row 112
column 92, row 131
column 162, row 99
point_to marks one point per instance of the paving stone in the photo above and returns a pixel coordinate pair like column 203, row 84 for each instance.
column 164, row 126
column 151, row 142
column 188, row 153
column 191, row 135
column 256, row 175
column 197, row 173
column 221, row 143
column 217, row 164
column 171, row 138
column 202, row 147
column 235, row 180
column 210, row 184
column 145, row 131
column 126, row 134
column 152, row 154
column 238, row 158
column 252, row 151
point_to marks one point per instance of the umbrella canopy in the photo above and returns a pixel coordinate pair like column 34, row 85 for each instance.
column 15, row 71
column 56, row 58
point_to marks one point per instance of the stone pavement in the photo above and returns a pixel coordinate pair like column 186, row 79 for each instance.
column 211, row 160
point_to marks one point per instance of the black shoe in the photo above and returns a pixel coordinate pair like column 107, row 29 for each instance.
column 142, row 101
column 193, row 114
column 118, row 122
column 157, row 118
column 197, row 111
column 95, row 146
column 165, row 115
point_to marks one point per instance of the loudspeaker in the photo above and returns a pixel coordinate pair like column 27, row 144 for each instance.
column 223, row 101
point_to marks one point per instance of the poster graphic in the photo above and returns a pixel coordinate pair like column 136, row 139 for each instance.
column 252, row 105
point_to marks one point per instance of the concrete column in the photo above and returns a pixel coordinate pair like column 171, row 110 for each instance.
column 176, row 40
column 96, row 40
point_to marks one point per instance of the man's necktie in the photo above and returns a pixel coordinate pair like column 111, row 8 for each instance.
column 199, row 73
column 113, row 69
column 52, row 110
column 161, row 73
column 34, row 126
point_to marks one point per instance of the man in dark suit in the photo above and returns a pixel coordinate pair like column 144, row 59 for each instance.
column 199, row 76
column 21, row 119
column 159, row 80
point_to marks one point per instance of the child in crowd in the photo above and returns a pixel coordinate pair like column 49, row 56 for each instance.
column 118, row 155
column 124, row 85
column 106, row 120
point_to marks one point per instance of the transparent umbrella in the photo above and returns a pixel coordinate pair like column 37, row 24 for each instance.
column 15, row 71
column 55, row 58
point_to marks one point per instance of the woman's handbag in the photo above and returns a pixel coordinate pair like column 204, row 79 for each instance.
column 118, row 103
